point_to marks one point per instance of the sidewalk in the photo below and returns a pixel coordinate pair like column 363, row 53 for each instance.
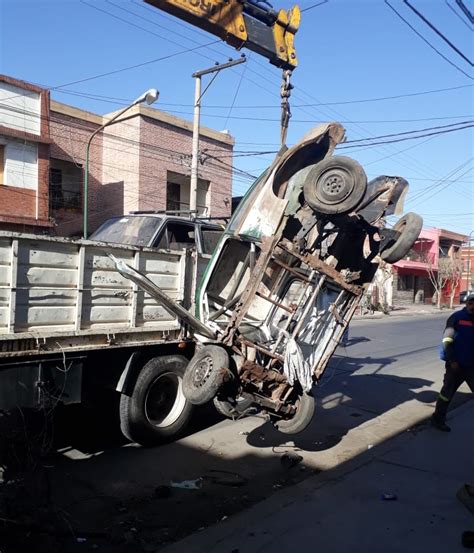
column 344, row 510
column 408, row 311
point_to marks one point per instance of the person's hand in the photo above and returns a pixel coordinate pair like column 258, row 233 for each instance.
column 454, row 365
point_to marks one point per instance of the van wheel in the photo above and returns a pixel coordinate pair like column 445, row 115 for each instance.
column 305, row 405
column 409, row 227
column 335, row 185
column 205, row 374
column 157, row 410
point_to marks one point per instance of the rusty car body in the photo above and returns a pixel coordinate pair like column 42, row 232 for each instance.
column 286, row 278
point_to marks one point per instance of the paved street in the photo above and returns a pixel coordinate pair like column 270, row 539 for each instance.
column 382, row 384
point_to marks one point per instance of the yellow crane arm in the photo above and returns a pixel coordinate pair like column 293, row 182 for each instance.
column 242, row 23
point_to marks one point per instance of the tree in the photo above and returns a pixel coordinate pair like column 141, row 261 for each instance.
column 449, row 270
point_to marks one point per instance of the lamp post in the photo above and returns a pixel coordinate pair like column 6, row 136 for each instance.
column 149, row 97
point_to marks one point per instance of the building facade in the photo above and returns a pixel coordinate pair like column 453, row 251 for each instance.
column 24, row 156
column 142, row 162
column 432, row 268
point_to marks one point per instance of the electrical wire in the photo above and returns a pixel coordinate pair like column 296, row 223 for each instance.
column 426, row 41
column 457, row 15
column 438, row 32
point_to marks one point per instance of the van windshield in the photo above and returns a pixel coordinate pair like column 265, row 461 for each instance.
column 133, row 231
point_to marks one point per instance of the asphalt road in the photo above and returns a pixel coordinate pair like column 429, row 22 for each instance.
column 383, row 383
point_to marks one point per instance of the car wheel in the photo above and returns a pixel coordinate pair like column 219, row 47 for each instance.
column 305, row 405
column 157, row 409
column 205, row 374
column 409, row 228
column 335, row 186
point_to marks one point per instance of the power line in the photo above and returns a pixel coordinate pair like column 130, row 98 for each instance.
column 469, row 122
column 426, row 41
column 457, row 15
column 315, row 6
column 438, row 32
column 465, row 10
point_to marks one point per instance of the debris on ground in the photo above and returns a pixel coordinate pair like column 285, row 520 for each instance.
column 188, row 484
column 389, row 497
column 290, row 460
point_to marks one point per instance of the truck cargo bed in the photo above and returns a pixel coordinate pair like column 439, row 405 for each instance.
column 59, row 294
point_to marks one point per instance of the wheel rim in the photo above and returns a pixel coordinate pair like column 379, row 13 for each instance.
column 202, row 371
column 165, row 400
column 334, row 185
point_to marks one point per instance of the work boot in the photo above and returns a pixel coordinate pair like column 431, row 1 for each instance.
column 439, row 424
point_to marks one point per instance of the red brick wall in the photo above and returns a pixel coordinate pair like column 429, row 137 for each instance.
column 128, row 166
column 18, row 205
column 165, row 148
column 69, row 137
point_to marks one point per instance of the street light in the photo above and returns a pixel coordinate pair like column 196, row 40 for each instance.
column 149, row 97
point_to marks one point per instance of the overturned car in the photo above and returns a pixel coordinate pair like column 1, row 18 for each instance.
column 286, row 278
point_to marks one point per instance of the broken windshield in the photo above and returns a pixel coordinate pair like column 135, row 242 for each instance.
column 133, row 231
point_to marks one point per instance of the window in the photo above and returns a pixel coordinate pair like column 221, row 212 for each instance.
column 55, row 189
column 65, row 185
column 177, row 236
column 405, row 282
column 178, row 193
column 173, row 196
column 210, row 237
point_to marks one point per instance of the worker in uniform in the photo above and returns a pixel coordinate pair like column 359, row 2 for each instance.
column 458, row 352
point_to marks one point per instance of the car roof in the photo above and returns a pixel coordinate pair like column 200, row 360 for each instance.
column 210, row 221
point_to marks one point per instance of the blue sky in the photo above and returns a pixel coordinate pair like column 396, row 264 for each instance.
column 349, row 51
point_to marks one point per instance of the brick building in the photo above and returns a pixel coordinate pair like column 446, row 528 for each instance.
column 141, row 162
column 24, row 156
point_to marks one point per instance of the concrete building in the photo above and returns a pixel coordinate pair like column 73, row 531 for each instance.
column 141, row 162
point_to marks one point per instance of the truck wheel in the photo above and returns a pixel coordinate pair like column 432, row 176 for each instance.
column 336, row 185
column 157, row 410
column 205, row 374
column 304, row 413
column 409, row 226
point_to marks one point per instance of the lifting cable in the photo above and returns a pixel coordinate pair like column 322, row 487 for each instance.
column 285, row 93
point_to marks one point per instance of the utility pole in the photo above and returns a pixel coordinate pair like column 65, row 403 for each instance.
column 196, row 122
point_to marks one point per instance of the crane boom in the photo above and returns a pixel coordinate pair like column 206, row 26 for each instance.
column 243, row 23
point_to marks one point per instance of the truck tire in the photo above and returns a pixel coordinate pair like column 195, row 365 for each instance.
column 205, row 374
column 157, row 410
column 335, row 185
column 305, row 405
column 409, row 226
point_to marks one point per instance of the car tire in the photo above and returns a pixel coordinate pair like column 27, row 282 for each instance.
column 335, row 186
column 409, row 226
column 305, row 406
column 157, row 410
column 205, row 374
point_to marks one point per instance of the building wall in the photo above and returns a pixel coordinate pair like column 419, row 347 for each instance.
column 70, row 131
column 467, row 281
column 42, row 162
column 24, row 144
column 165, row 148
